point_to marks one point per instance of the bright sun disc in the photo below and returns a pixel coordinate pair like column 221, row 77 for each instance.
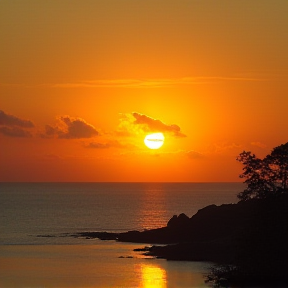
column 154, row 141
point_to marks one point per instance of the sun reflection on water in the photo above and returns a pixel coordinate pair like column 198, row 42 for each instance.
column 153, row 210
column 152, row 276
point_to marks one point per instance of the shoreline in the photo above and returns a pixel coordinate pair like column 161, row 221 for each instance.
column 247, row 236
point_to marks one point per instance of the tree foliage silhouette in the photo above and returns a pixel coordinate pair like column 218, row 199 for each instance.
column 265, row 177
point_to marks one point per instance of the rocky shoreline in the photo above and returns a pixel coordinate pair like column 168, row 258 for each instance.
column 247, row 240
column 212, row 234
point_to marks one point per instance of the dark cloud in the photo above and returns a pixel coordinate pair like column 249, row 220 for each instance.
column 77, row 128
column 154, row 125
column 70, row 128
column 15, row 132
column 13, row 126
column 49, row 130
column 10, row 120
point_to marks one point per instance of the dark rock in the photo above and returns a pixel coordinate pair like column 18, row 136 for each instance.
column 216, row 251
column 177, row 222
column 173, row 221
column 144, row 249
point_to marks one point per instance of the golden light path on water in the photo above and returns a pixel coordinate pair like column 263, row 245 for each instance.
column 99, row 264
column 153, row 277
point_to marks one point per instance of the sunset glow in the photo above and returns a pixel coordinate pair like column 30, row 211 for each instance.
column 83, row 84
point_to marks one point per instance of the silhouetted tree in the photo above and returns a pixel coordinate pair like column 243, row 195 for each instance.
column 261, row 249
column 265, row 177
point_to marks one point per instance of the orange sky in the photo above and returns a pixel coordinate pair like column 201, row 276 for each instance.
column 83, row 82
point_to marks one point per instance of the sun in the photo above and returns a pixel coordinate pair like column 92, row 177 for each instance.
column 154, row 141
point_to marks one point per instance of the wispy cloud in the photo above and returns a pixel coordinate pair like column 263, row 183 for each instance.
column 258, row 144
column 151, row 83
column 222, row 147
column 161, row 82
column 108, row 144
column 194, row 154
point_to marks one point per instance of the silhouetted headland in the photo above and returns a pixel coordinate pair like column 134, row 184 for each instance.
column 250, row 234
column 214, row 233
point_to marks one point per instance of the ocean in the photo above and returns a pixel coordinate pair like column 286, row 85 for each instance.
column 36, row 220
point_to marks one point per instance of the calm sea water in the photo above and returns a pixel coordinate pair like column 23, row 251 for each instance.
column 28, row 210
